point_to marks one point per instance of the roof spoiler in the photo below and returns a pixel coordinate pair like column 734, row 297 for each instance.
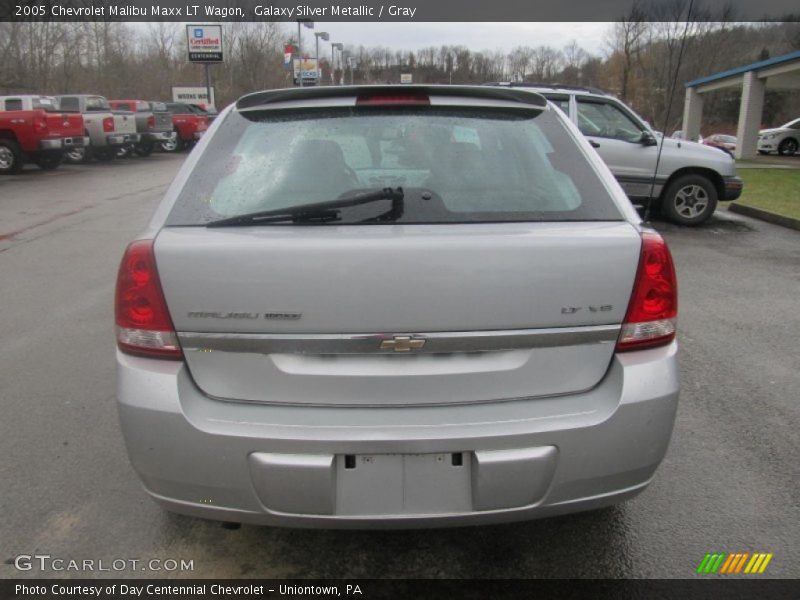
column 526, row 99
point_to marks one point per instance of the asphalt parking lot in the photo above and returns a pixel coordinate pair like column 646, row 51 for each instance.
column 729, row 482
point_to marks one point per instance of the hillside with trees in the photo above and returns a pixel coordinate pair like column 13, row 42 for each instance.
column 637, row 64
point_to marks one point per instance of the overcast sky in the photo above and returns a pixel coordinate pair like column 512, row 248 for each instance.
column 475, row 36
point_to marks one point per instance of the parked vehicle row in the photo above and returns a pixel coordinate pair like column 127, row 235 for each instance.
column 46, row 130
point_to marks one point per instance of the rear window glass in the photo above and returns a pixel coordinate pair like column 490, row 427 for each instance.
column 14, row 104
column 69, row 104
column 47, row 103
column 455, row 166
column 97, row 103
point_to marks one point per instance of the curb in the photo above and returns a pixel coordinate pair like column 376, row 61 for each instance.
column 765, row 215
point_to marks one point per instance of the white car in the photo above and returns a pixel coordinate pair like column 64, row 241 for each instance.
column 784, row 139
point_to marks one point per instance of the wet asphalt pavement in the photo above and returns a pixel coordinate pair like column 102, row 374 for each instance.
column 730, row 481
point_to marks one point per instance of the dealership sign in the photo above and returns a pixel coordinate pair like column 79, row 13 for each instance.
column 192, row 95
column 306, row 69
column 205, row 43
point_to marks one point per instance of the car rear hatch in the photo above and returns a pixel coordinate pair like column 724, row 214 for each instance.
column 405, row 313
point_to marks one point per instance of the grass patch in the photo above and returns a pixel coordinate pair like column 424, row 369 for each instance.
column 775, row 190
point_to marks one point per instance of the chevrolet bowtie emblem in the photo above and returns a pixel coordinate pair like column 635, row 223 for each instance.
column 402, row 343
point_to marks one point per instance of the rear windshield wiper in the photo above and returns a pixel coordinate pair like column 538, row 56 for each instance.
column 319, row 211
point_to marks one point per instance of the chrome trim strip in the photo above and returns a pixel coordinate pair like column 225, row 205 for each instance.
column 361, row 343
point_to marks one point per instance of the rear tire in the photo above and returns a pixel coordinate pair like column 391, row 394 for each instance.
column 787, row 147
column 176, row 144
column 80, row 154
column 105, row 154
column 144, row 148
column 689, row 200
column 49, row 160
column 10, row 157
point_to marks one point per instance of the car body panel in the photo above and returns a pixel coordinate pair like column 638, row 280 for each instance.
column 511, row 273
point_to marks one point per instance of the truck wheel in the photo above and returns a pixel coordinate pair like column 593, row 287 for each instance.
column 689, row 200
column 787, row 147
column 144, row 148
column 175, row 144
column 10, row 157
column 78, row 154
column 105, row 154
column 49, row 160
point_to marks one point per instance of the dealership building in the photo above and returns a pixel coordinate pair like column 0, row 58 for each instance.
column 778, row 73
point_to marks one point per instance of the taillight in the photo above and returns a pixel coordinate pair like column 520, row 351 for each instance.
column 108, row 124
column 144, row 326
column 151, row 122
column 392, row 100
column 40, row 124
column 653, row 309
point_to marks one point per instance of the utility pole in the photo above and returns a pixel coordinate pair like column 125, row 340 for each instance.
column 208, row 84
column 333, row 60
column 310, row 24
column 299, row 54
column 325, row 36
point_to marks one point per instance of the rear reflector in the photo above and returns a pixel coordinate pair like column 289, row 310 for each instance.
column 392, row 100
column 653, row 309
column 144, row 326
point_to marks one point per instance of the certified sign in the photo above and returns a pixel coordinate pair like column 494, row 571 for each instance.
column 205, row 43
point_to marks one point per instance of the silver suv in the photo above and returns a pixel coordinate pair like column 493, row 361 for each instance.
column 375, row 307
column 690, row 177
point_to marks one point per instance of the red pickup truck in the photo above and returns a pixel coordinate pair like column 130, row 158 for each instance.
column 189, row 125
column 32, row 128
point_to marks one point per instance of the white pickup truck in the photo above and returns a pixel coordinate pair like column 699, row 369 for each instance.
column 108, row 130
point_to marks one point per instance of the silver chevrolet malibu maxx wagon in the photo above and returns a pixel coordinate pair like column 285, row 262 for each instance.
column 395, row 307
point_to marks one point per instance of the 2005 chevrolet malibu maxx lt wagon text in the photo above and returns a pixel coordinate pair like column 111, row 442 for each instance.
column 395, row 307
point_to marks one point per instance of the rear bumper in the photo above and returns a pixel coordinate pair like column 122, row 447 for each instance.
column 157, row 136
column 767, row 145
column 287, row 466
column 62, row 143
column 733, row 187
column 120, row 139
